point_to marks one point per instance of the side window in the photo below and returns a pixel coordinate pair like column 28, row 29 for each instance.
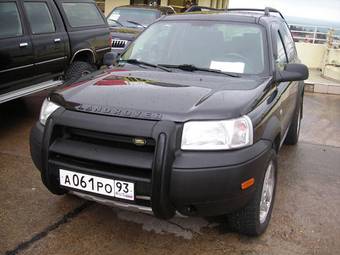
column 10, row 24
column 82, row 14
column 289, row 42
column 281, row 60
column 39, row 17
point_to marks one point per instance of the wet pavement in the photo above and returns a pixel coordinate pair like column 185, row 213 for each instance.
column 306, row 216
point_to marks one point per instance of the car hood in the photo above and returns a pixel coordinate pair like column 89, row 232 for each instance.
column 176, row 96
column 125, row 33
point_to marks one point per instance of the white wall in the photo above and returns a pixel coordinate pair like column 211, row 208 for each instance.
column 311, row 54
column 333, row 72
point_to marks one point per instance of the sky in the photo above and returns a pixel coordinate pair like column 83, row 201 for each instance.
column 325, row 10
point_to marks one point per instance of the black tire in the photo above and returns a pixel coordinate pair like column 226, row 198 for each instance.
column 78, row 69
column 292, row 137
column 247, row 220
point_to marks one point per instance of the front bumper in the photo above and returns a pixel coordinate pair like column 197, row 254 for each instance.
column 191, row 183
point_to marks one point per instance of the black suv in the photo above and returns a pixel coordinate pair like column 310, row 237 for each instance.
column 127, row 22
column 43, row 40
column 190, row 121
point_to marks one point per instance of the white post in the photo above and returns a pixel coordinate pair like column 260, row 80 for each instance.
column 314, row 37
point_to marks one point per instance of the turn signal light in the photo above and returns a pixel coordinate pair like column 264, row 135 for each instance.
column 247, row 184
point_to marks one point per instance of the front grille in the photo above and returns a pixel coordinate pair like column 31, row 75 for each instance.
column 109, row 155
column 119, row 44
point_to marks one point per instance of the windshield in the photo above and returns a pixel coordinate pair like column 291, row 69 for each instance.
column 124, row 15
column 228, row 47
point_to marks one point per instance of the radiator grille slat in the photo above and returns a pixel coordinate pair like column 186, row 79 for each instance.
column 107, row 154
column 119, row 44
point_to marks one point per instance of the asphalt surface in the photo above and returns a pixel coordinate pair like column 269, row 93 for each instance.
column 306, row 216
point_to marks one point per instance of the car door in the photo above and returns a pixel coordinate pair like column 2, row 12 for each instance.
column 16, row 52
column 283, row 88
column 49, row 37
column 292, row 58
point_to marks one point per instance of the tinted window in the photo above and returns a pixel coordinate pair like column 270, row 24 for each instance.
column 82, row 14
column 223, row 46
column 281, row 60
column 124, row 16
column 39, row 17
column 10, row 24
column 289, row 42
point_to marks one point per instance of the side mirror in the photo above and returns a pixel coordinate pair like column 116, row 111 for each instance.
column 110, row 59
column 293, row 72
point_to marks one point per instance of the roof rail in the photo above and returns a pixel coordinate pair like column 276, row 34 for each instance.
column 266, row 11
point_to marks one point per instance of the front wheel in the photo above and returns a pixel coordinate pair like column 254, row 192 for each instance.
column 253, row 219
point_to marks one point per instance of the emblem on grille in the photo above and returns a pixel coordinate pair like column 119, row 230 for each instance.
column 139, row 141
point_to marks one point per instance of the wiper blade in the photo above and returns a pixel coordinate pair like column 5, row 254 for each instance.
column 117, row 22
column 136, row 23
column 192, row 68
column 137, row 62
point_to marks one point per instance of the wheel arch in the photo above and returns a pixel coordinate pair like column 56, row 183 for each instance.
column 272, row 132
column 86, row 55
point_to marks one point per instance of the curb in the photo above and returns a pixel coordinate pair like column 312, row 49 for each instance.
column 322, row 88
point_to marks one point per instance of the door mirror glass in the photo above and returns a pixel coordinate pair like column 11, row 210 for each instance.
column 293, row 72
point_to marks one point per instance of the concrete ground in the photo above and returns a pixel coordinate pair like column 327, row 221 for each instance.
column 306, row 216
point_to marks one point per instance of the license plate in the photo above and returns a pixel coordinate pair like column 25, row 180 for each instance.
column 98, row 185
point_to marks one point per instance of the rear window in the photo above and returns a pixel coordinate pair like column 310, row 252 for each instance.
column 10, row 25
column 82, row 14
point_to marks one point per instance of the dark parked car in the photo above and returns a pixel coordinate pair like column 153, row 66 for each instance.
column 127, row 22
column 190, row 121
column 45, row 41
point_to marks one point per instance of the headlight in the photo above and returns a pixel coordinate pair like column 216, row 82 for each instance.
column 217, row 135
column 47, row 109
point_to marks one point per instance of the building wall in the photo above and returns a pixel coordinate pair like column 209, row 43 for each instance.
column 214, row 3
column 311, row 54
column 110, row 4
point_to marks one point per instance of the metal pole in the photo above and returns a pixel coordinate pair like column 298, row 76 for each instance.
column 314, row 38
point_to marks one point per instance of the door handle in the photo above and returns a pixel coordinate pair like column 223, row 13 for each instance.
column 22, row 45
column 56, row 40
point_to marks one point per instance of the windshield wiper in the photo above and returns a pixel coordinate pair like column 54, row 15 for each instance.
column 137, row 62
column 192, row 68
column 120, row 24
column 136, row 23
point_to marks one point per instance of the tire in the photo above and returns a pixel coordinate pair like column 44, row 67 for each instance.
column 249, row 220
column 292, row 137
column 78, row 69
